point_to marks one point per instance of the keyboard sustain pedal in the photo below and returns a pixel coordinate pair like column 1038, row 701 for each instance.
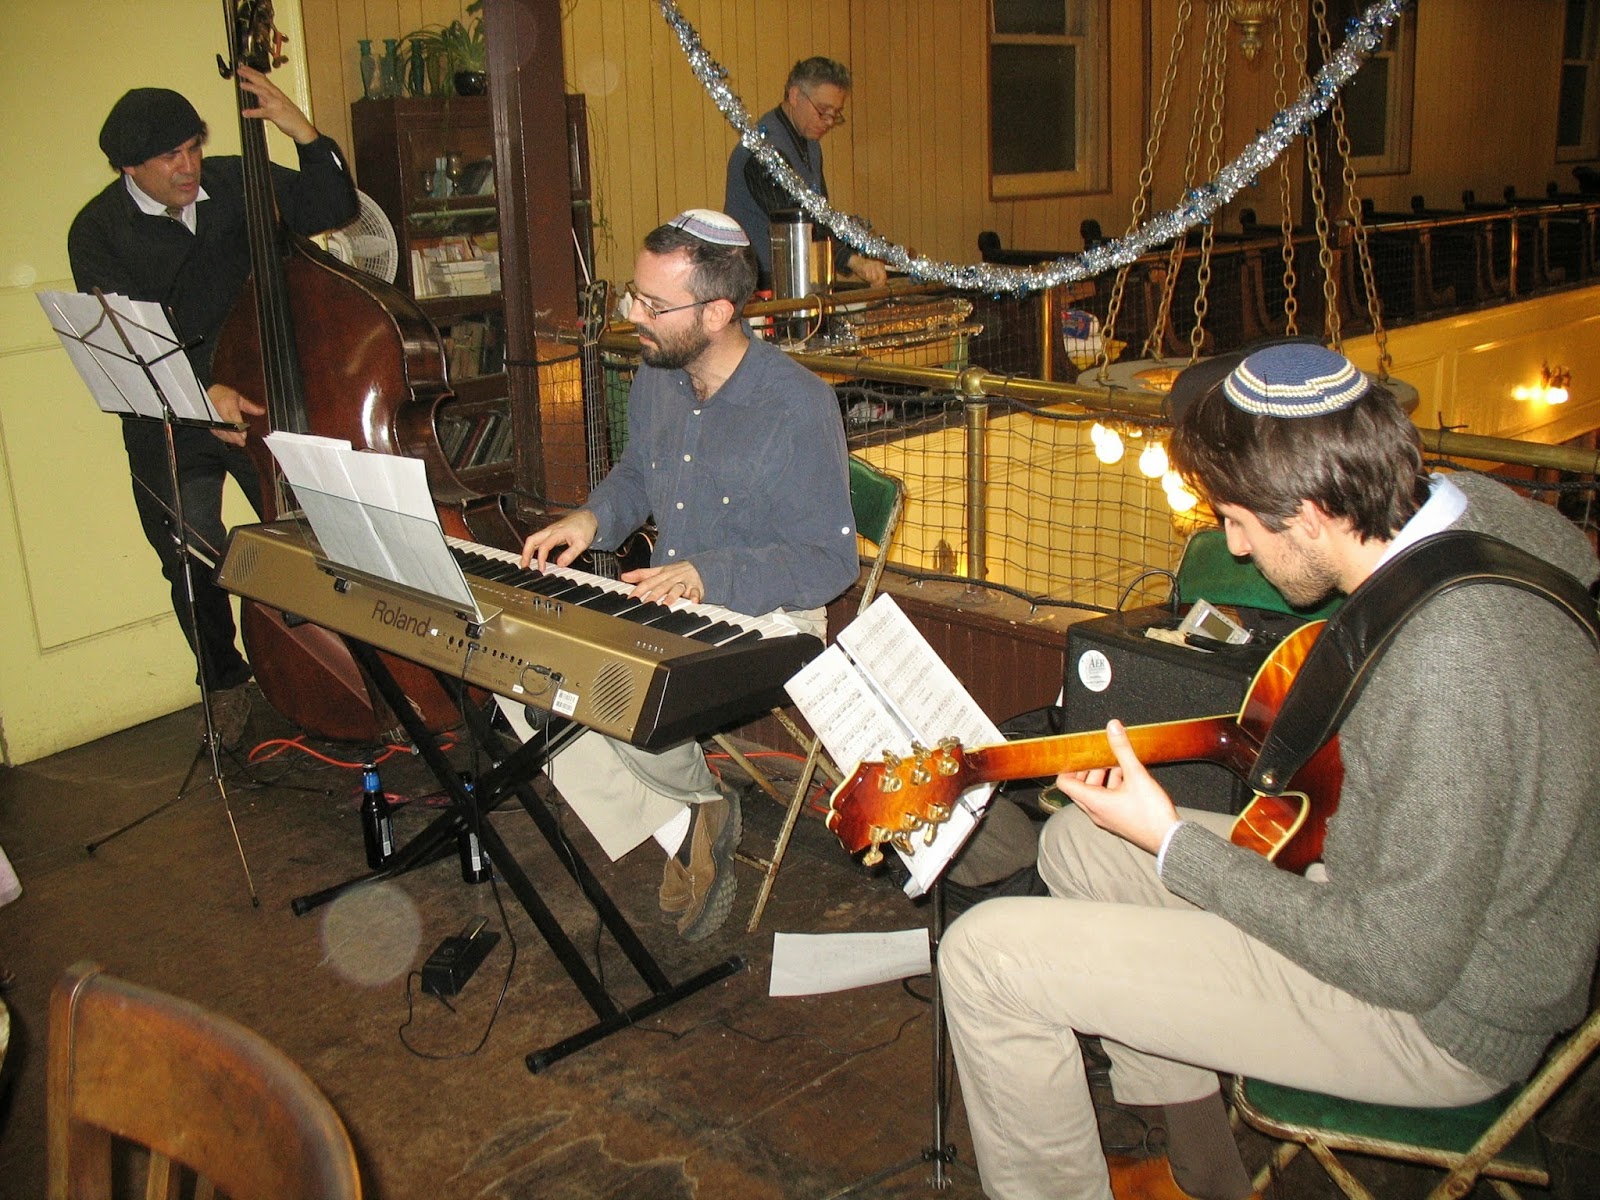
column 455, row 960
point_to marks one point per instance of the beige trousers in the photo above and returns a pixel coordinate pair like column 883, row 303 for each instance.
column 1175, row 994
column 624, row 794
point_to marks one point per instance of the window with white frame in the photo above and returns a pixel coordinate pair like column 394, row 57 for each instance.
column 1578, row 107
column 1047, row 96
column 1378, row 99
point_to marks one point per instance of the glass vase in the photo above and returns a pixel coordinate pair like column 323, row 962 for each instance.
column 417, row 77
column 369, row 70
column 390, row 67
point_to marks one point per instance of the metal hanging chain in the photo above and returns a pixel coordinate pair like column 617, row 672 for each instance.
column 1169, row 285
column 1331, row 324
column 1141, row 200
column 1353, row 202
column 1280, row 97
column 1197, row 333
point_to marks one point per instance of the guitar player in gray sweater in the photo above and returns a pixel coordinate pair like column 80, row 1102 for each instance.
column 1450, row 928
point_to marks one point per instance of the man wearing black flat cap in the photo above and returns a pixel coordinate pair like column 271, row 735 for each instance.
column 171, row 228
column 1449, row 930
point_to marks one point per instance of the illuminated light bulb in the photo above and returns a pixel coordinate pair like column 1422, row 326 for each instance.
column 1109, row 448
column 1523, row 392
column 1153, row 460
column 1181, row 501
column 1555, row 395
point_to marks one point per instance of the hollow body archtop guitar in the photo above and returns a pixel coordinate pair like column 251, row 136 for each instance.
column 892, row 801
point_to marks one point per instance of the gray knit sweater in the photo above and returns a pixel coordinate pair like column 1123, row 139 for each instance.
column 1464, row 861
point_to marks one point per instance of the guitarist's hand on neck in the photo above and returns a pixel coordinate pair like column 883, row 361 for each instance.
column 1124, row 799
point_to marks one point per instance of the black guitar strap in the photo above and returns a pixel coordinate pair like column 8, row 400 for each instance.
column 1341, row 659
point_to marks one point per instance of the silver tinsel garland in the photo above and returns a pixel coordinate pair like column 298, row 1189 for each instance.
column 1363, row 36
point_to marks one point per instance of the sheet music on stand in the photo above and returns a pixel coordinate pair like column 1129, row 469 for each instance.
column 113, row 341
column 879, row 687
column 373, row 513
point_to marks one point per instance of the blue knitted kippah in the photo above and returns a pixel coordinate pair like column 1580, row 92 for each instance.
column 1299, row 379
column 710, row 226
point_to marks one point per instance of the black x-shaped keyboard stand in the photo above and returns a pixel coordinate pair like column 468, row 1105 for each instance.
column 512, row 775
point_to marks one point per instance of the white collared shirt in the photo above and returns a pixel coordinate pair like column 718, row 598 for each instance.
column 155, row 208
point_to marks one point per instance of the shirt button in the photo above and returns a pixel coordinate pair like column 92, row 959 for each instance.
column 845, row 531
column 688, row 458
column 679, row 505
column 672, row 554
column 724, row 499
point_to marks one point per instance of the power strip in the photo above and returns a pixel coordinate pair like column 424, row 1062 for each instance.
column 450, row 966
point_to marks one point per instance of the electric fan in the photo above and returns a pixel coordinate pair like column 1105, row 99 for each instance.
column 368, row 242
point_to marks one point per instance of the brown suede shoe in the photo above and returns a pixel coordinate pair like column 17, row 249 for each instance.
column 701, row 894
column 230, row 713
column 1146, row 1179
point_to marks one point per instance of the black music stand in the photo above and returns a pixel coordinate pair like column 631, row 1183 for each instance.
column 133, row 384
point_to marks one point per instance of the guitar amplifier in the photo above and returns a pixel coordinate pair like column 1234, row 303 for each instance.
column 1114, row 670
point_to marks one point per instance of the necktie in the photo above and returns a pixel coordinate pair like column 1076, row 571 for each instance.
column 176, row 214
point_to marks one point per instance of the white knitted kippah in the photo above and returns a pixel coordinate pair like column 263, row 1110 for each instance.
column 710, row 226
column 1299, row 379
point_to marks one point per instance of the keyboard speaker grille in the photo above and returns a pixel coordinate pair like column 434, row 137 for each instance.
column 611, row 695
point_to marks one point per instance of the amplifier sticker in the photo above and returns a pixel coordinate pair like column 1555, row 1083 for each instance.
column 566, row 703
column 1094, row 670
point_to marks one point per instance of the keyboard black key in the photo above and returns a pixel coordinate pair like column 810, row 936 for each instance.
column 683, row 621
column 716, row 633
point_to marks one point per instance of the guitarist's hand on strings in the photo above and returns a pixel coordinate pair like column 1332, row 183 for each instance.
column 1124, row 799
column 574, row 531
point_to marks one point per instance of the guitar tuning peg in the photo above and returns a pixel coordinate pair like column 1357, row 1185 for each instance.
column 928, row 834
column 890, row 783
column 901, row 843
column 891, row 761
column 919, row 751
column 950, row 744
column 872, row 857
column 948, row 766
column 938, row 814
column 921, row 776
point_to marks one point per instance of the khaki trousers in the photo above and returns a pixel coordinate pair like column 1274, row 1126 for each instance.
column 1175, row 994
column 624, row 794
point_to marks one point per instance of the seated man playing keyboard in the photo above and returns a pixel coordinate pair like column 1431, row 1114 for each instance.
column 739, row 454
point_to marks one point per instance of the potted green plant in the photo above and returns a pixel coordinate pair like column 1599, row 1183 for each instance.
column 459, row 49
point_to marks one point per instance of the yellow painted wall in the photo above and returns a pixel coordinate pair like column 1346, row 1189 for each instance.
column 88, row 642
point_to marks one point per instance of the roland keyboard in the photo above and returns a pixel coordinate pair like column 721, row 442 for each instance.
column 565, row 641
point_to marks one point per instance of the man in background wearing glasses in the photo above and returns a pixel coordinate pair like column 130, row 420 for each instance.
column 739, row 454
column 813, row 103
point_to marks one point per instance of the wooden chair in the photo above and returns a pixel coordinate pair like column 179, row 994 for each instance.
column 876, row 501
column 1494, row 1141
column 207, row 1100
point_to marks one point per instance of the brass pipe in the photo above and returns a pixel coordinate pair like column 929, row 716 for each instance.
column 977, row 414
column 976, row 382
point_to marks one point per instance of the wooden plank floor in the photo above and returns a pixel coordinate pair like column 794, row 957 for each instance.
column 730, row 1093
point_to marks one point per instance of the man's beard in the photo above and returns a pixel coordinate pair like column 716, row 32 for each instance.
column 1307, row 578
column 675, row 353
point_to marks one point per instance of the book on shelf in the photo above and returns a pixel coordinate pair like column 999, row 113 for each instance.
column 880, row 686
column 454, row 265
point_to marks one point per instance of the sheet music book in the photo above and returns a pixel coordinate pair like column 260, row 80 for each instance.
column 115, row 371
column 881, row 686
column 372, row 513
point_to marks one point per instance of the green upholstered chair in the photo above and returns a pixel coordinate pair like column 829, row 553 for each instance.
column 1494, row 1141
column 876, row 503
column 1208, row 570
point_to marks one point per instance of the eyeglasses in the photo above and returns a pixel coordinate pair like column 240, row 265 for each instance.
column 631, row 295
column 833, row 116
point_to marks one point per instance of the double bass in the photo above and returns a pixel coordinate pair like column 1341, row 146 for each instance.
column 330, row 350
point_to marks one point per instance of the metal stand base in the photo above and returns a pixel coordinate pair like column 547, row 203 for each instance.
column 511, row 774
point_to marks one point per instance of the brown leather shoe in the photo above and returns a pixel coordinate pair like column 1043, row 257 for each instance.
column 699, row 896
column 1146, row 1179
